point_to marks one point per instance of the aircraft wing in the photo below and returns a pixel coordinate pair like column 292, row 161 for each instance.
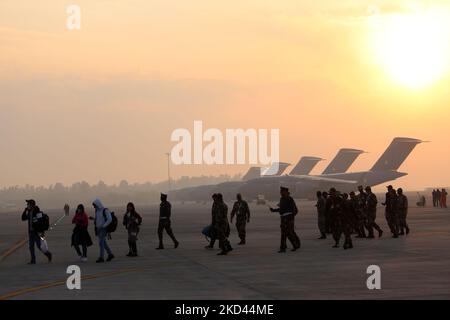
column 325, row 179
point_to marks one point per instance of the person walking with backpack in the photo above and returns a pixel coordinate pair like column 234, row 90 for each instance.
column 38, row 223
column 132, row 220
column 80, row 234
column 103, row 218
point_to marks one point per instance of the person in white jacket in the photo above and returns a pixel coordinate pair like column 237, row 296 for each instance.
column 102, row 220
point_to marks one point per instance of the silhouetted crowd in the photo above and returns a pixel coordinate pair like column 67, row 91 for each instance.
column 345, row 214
column 439, row 198
column 340, row 215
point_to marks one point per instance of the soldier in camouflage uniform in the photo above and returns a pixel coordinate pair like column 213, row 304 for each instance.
column 402, row 207
column 354, row 200
column 348, row 214
column 321, row 210
column 220, row 224
column 327, row 214
column 371, row 209
column 287, row 210
column 242, row 212
column 360, row 212
column 334, row 207
column 391, row 213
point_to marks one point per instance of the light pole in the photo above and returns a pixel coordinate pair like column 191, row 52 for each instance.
column 168, row 170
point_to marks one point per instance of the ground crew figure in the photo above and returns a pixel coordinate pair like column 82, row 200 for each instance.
column 165, row 211
column 242, row 212
column 220, row 224
column 402, row 207
column 287, row 210
column 444, row 198
column 391, row 210
column 360, row 212
column 321, row 210
column 335, row 208
column 371, row 209
column 348, row 214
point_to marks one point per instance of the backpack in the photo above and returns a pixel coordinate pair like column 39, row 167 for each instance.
column 43, row 223
column 206, row 231
column 113, row 225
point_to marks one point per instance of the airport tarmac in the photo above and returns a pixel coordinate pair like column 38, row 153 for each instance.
column 412, row 267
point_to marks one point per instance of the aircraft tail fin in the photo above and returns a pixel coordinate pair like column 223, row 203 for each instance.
column 395, row 154
column 305, row 165
column 252, row 173
column 276, row 169
column 342, row 161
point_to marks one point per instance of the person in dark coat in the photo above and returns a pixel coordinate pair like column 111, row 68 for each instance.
column 212, row 232
column 335, row 207
column 32, row 214
column 242, row 213
column 402, row 207
column 321, row 211
column 221, row 225
column 371, row 209
column 287, row 210
column 391, row 211
column 80, row 234
column 165, row 211
column 348, row 214
column 132, row 220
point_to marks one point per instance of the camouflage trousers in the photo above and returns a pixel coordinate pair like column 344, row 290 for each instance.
column 221, row 235
column 402, row 225
column 361, row 223
column 241, row 222
column 287, row 226
column 371, row 224
column 321, row 223
column 393, row 222
column 342, row 226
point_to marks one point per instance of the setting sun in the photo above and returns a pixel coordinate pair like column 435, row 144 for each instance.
column 412, row 48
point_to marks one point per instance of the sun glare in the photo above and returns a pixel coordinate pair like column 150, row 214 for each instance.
column 413, row 48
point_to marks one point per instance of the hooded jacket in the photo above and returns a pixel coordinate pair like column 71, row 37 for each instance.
column 101, row 220
column 32, row 216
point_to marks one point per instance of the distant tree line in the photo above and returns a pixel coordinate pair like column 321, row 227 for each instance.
column 57, row 195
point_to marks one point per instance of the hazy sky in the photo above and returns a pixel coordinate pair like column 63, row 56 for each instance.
column 100, row 103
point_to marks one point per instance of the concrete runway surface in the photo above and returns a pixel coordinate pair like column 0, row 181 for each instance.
column 412, row 267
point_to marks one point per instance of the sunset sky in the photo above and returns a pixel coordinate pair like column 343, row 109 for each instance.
column 100, row 103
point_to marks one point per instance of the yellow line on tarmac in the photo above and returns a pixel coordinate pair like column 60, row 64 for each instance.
column 63, row 282
column 11, row 250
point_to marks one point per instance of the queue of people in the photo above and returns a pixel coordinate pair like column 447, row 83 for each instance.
column 339, row 214
column 105, row 223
